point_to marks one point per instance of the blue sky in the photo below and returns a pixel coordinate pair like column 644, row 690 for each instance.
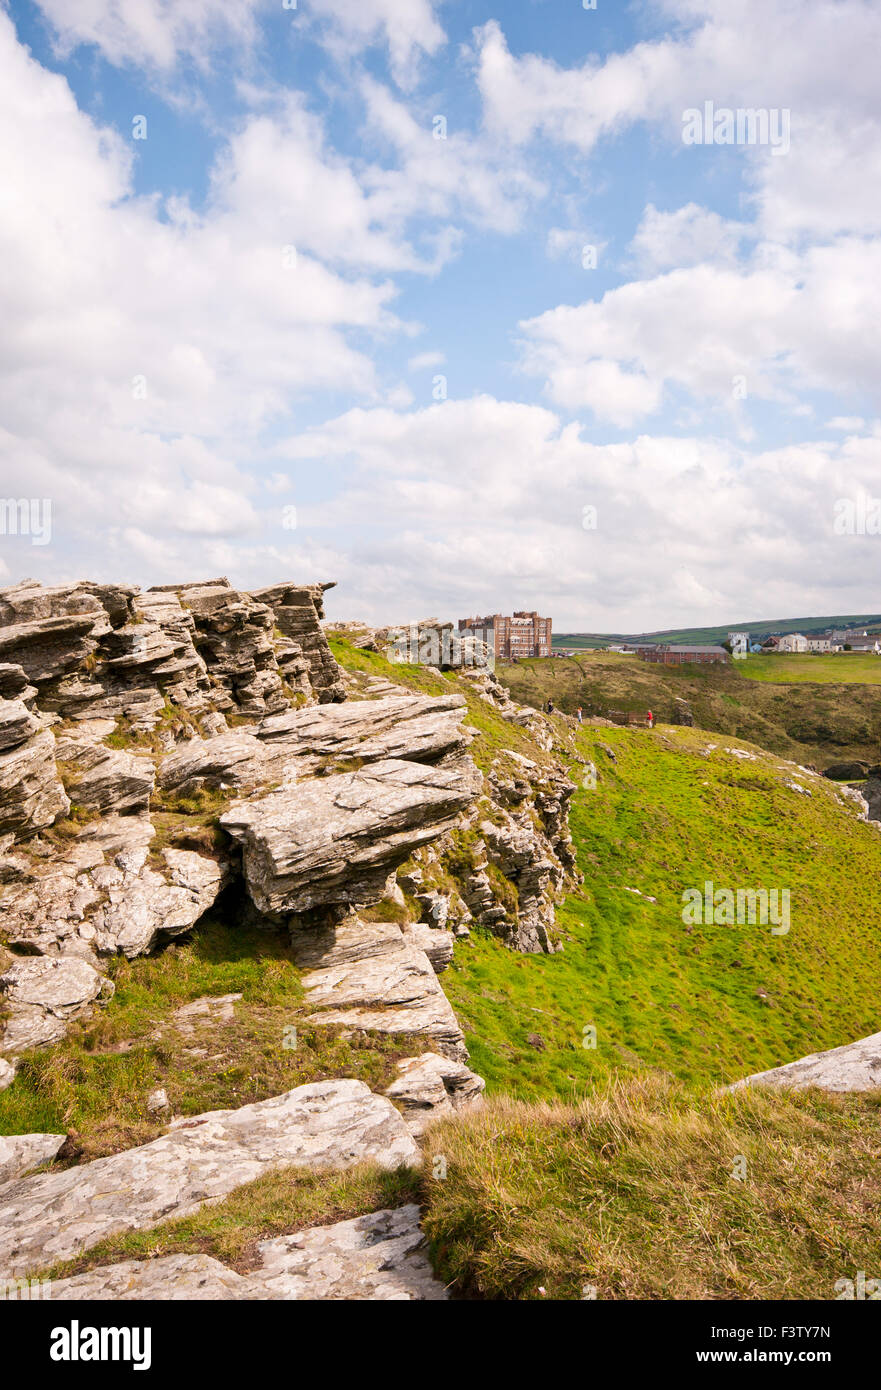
column 292, row 303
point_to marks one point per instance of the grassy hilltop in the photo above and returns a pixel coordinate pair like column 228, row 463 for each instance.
column 720, row 631
column 815, row 710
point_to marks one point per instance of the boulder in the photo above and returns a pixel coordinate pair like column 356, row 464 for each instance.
column 845, row 772
column 21, row 1152
column 328, row 1124
column 370, row 976
column 854, row 1067
column 336, row 839
column 42, row 995
column 431, row 1087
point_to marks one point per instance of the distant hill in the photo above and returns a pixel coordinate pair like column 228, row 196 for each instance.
column 718, row 633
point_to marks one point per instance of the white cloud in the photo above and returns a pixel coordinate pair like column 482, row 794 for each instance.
column 688, row 236
column 408, row 27
column 153, row 33
column 477, row 505
column 423, row 360
column 785, row 324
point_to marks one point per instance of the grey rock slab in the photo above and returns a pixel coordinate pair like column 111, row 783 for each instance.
column 376, row 1257
column 335, row 839
column 173, row 1278
column 854, row 1067
column 415, row 728
column 43, row 993
column 328, row 1124
column 21, row 1152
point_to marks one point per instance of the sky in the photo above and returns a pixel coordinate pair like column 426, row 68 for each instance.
column 469, row 307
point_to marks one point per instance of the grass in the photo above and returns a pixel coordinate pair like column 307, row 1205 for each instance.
column 838, row 668
column 633, row 1195
column 278, row 1203
column 95, row 1082
column 704, row 1003
column 814, row 720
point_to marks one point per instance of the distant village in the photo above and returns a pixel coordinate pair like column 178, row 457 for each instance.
column 741, row 644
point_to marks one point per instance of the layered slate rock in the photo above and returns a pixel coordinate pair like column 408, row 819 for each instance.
column 103, row 779
column 31, row 793
column 368, row 975
column 854, row 1067
column 432, row 1087
column 336, row 839
column 328, row 1124
column 418, row 729
column 376, row 1257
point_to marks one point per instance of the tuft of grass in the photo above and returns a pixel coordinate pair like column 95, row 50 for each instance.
column 634, row 1195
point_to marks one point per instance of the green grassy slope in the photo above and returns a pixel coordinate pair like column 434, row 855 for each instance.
column 706, row 1003
column 808, row 717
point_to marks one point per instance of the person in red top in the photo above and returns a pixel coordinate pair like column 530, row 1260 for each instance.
column 651, row 719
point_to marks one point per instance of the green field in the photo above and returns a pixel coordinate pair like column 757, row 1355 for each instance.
column 790, row 668
column 822, row 713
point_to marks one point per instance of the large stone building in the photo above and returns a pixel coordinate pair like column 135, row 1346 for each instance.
column 675, row 654
column 523, row 634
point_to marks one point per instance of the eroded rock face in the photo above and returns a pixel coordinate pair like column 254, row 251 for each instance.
column 103, row 779
column 43, row 994
column 854, row 1067
column 369, row 975
column 335, row 839
column 418, row 729
column 432, row 1087
column 329, row 1124
column 378, row 1256
column 31, row 794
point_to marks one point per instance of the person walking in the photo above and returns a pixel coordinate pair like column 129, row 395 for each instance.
column 650, row 719
column 550, row 707
column 578, row 715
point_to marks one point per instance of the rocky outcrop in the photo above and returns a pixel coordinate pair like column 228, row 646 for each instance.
column 329, row 1124
column 424, row 730
column 32, row 796
column 42, row 995
column 369, row 976
column 335, row 840
column 433, row 1087
column 854, row 1067
column 378, row 1256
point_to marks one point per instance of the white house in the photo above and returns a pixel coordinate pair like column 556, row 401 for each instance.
column 865, row 644
column 819, row 644
column 793, row 642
